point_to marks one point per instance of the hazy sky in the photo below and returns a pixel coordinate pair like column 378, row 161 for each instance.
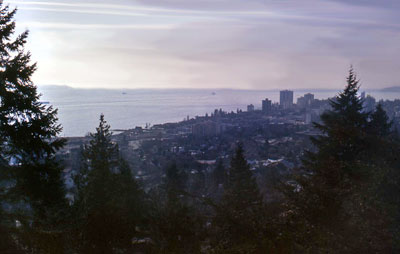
column 247, row 44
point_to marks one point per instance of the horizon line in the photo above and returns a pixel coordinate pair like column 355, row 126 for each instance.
column 205, row 89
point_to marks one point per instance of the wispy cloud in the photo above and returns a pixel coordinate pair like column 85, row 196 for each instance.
column 211, row 43
column 91, row 5
column 100, row 12
column 137, row 11
column 140, row 8
column 117, row 10
column 95, row 26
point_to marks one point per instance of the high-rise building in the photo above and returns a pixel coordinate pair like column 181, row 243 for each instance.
column 309, row 97
column 207, row 128
column 250, row 107
column 266, row 106
column 286, row 99
column 305, row 101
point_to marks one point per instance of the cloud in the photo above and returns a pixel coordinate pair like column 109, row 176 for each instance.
column 94, row 7
column 99, row 12
column 73, row 26
column 385, row 4
column 257, row 44
column 268, row 11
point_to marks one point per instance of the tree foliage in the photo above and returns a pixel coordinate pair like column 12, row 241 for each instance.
column 344, row 199
column 175, row 225
column 239, row 221
column 334, row 204
column 31, row 176
column 108, row 200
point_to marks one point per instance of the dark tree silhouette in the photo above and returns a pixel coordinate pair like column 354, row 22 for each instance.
column 108, row 201
column 334, row 198
column 379, row 123
column 219, row 174
column 239, row 222
column 175, row 225
column 28, row 143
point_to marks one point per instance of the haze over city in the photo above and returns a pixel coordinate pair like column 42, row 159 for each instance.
column 237, row 44
column 199, row 126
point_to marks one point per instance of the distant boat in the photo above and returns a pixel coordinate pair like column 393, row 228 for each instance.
column 123, row 93
column 213, row 93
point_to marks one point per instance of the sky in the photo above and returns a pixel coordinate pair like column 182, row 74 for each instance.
column 238, row 44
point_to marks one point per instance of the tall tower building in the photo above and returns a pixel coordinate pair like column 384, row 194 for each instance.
column 309, row 98
column 266, row 106
column 286, row 99
column 305, row 101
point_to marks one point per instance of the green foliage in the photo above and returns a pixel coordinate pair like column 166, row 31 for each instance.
column 239, row 223
column 334, row 204
column 345, row 198
column 108, row 202
column 174, row 182
column 379, row 124
column 28, row 144
column 241, row 190
column 175, row 225
column 219, row 174
column 343, row 127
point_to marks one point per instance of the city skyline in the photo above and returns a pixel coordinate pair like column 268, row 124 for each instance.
column 212, row 44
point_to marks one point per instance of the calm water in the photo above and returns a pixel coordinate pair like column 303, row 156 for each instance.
column 79, row 109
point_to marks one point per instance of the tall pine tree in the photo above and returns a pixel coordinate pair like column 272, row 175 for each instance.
column 28, row 143
column 175, row 225
column 333, row 202
column 239, row 222
column 108, row 201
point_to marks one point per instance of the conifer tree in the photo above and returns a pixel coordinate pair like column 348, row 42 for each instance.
column 239, row 221
column 219, row 174
column 379, row 124
column 386, row 145
column 174, row 182
column 342, row 126
column 175, row 226
column 108, row 199
column 341, row 143
column 335, row 191
column 241, row 191
column 217, row 181
column 28, row 143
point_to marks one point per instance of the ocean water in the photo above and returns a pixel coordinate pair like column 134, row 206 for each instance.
column 79, row 109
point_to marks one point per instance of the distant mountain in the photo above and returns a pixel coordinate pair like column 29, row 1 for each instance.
column 391, row 89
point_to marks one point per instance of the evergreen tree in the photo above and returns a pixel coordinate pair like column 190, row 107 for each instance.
column 239, row 223
column 387, row 180
column 108, row 200
column 175, row 226
column 389, row 191
column 333, row 201
column 28, row 143
column 379, row 123
column 217, row 181
column 241, row 191
column 343, row 126
column 219, row 174
column 174, row 182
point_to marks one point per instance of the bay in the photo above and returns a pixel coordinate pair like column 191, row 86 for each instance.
column 79, row 109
